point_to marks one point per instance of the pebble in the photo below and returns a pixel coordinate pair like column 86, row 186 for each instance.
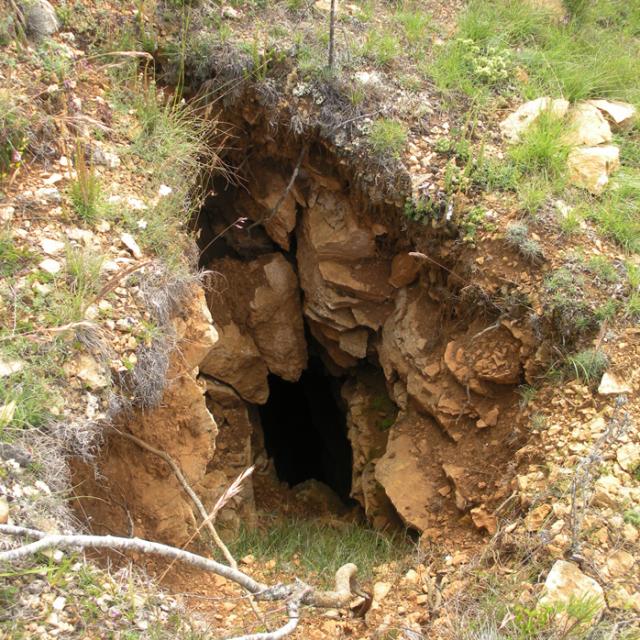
column 50, row 266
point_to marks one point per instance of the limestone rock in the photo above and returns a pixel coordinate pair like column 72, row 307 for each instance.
column 370, row 414
column 50, row 266
column 4, row 510
column 86, row 368
column 520, row 120
column 622, row 114
column 482, row 519
column 619, row 563
column 9, row 367
column 536, row 517
column 628, row 456
column 275, row 318
column 611, row 386
column 587, row 126
column 236, row 426
column 51, row 247
column 266, row 203
column 566, row 583
column 236, row 360
column 404, row 270
column 130, row 242
column 401, row 472
column 40, row 18
column 590, row 167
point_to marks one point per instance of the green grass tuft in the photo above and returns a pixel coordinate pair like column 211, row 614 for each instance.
column 588, row 366
column 388, row 137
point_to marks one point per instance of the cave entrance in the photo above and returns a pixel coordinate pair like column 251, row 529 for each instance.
column 304, row 427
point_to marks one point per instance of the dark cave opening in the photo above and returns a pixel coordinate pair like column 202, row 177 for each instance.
column 304, row 428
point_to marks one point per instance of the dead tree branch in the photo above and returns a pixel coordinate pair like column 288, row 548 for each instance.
column 295, row 594
column 581, row 485
column 206, row 519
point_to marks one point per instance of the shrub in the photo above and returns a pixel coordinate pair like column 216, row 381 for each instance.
column 565, row 300
column 388, row 137
column 517, row 235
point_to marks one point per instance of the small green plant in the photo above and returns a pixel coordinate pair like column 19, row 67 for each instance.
column 538, row 422
column 589, row 365
column 600, row 267
column 13, row 133
column 566, row 301
column 416, row 26
column 527, row 394
column 532, row 194
column 542, row 151
column 388, row 137
column 85, row 190
column 471, row 222
column 381, row 47
column 12, row 257
column 632, row 517
column 517, row 235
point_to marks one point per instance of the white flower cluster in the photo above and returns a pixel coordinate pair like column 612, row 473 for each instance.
column 490, row 65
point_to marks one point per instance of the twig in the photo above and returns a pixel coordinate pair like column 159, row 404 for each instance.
column 332, row 29
column 284, row 194
column 296, row 594
column 207, row 519
column 581, row 483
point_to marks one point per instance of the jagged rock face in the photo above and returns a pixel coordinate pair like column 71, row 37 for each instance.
column 257, row 306
column 370, row 414
column 139, row 482
column 236, row 424
column 345, row 283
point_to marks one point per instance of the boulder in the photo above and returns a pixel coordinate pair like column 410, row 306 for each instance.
column 587, row 126
column 621, row 114
column 404, row 270
column 406, row 478
column 40, row 18
column 275, row 316
column 590, row 167
column 566, row 583
column 610, row 385
column 236, row 360
column 517, row 123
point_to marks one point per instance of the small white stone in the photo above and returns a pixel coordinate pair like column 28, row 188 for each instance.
column 164, row 190
column 50, row 266
column 53, row 178
column 129, row 241
column 102, row 226
column 9, row 367
column 136, row 204
column 610, row 386
column 59, row 603
column 142, row 224
column 51, row 247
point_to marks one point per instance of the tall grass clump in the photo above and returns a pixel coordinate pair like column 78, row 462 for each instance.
column 592, row 54
column 85, row 190
column 313, row 548
column 542, row 150
column 388, row 137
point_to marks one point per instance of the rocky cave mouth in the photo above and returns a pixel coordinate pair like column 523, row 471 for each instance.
column 347, row 371
column 304, row 428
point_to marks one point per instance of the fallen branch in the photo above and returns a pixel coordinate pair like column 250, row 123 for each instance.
column 207, row 519
column 296, row 594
